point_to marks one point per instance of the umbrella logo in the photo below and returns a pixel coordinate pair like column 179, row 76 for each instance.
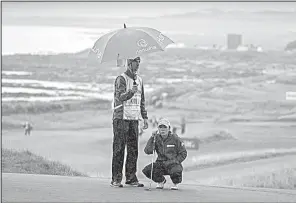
column 97, row 51
column 142, row 43
column 160, row 38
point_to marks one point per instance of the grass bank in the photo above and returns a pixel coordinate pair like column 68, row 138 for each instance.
column 280, row 179
column 27, row 162
column 213, row 160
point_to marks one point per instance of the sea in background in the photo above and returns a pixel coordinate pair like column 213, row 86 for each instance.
column 59, row 27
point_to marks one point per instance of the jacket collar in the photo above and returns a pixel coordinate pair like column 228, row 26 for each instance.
column 129, row 74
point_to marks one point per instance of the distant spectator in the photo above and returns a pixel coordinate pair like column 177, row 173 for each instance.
column 164, row 96
column 154, row 100
column 183, row 125
column 174, row 130
column 158, row 104
column 28, row 127
column 154, row 122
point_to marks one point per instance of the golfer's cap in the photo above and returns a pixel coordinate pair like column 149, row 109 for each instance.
column 135, row 59
column 164, row 121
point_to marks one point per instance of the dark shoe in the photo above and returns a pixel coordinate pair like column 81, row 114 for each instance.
column 116, row 184
column 135, row 183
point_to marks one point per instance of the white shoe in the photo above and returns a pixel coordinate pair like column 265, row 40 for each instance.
column 174, row 187
column 160, row 185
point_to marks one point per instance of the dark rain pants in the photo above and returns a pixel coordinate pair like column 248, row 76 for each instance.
column 159, row 170
column 125, row 134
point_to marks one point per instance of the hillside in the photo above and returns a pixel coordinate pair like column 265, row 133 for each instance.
column 227, row 85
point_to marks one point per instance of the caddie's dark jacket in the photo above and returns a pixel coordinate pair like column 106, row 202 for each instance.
column 121, row 95
column 170, row 150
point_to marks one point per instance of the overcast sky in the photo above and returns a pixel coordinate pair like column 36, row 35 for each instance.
column 130, row 9
column 28, row 27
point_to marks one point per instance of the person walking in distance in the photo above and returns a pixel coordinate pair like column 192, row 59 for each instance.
column 129, row 106
column 28, row 127
column 183, row 125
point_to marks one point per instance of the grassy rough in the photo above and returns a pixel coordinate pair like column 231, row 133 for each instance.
column 59, row 106
column 212, row 160
column 27, row 162
column 281, row 179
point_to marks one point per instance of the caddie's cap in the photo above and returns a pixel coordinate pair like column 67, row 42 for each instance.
column 138, row 59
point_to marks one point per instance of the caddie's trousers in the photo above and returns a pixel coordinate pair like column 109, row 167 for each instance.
column 125, row 134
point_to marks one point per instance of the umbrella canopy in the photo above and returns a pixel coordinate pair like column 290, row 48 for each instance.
column 129, row 43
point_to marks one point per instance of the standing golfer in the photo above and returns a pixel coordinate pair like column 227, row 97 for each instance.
column 171, row 153
column 129, row 106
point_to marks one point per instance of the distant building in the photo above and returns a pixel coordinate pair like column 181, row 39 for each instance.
column 234, row 41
